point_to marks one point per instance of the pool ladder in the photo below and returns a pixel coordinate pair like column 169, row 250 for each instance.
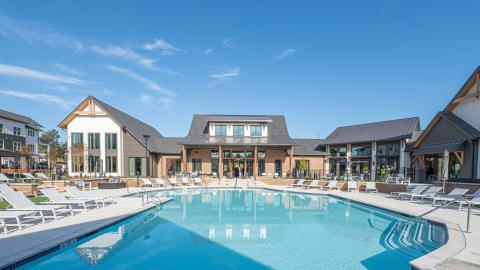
column 419, row 217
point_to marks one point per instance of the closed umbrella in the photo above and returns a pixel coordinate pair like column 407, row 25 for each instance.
column 445, row 168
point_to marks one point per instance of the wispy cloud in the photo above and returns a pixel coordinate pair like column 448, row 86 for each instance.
column 16, row 71
column 204, row 51
column 39, row 97
column 37, row 33
column 160, row 102
column 286, row 53
column 147, row 82
column 228, row 43
column 124, row 53
column 67, row 69
column 224, row 75
column 163, row 46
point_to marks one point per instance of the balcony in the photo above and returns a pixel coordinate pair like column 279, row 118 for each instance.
column 10, row 132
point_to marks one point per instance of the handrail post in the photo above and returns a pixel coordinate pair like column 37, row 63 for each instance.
column 469, row 213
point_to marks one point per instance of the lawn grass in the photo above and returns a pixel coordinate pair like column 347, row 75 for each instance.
column 4, row 204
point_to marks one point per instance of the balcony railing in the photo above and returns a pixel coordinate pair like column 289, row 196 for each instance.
column 10, row 132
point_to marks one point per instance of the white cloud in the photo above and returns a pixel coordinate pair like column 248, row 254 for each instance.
column 67, row 69
column 39, row 97
column 16, row 71
column 124, row 53
column 286, row 53
column 228, row 43
column 37, row 33
column 147, row 82
column 162, row 102
column 163, row 46
column 225, row 75
column 204, row 51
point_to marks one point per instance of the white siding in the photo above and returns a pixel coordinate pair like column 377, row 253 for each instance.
column 469, row 110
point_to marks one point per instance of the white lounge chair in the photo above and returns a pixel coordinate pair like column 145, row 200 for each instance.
column 185, row 181
column 474, row 201
column 352, row 185
column 173, row 181
column 146, row 182
column 416, row 190
column 160, row 182
column 299, row 183
column 197, row 181
column 4, row 178
column 29, row 176
column 42, row 176
column 17, row 215
column 21, row 203
column 453, row 195
column 371, row 187
column 56, row 197
column 313, row 184
column 468, row 196
column 429, row 193
column 332, row 185
column 75, row 193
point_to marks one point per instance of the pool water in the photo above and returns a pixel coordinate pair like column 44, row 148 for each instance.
column 252, row 229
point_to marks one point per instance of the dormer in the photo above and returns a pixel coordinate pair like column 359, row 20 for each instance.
column 238, row 128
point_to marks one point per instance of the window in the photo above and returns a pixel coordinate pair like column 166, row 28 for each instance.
column 17, row 131
column 388, row 149
column 110, row 141
column 226, row 154
column 238, row 130
column 93, row 140
column 17, row 146
column 31, row 148
column 111, row 164
column 2, row 144
column 261, row 167
column 338, row 151
column 137, row 166
column 278, row 167
column 77, row 166
column 30, row 133
column 214, row 165
column 249, row 154
column 214, row 154
column 77, row 138
column 256, row 130
column 261, row 154
column 1, row 128
column 93, row 164
column 238, row 154
column 361, row 150
column 196, row 165
column 220, row 130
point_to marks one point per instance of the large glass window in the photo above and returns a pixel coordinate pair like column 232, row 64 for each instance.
column 239, row 130
column 1, row 128
column 17, row 146
column 214, row 154
column 137, row 166
column 278, row 167
column 220, row 130
column 338, row 151
column 388, row 149
column 261, row 154
column 196, row 165
column 110, row 141
column 111, row 164
column 214, row 165
column 361, row 150
column 93, row 164
column 227, row 154
column 77, row 166
column 238, row 154
column 2, row 144
column 261, row 167
column 77, row 138
column 93, row 140
column 256, row 130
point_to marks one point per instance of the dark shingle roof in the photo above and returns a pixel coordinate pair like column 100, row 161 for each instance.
column 277, row 130
column 439, row 148
column 167, row 145
column 21, row 118
column 461, row 124
column 309, row 147
column 136, row 127
column 378, row 131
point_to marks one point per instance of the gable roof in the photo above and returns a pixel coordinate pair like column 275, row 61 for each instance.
column 167, row 145
column 134, row 126
column 199, row 133
column 474, row 78
column 377, row 131
column 29, row 122
column 309, row 147
column 469, row 131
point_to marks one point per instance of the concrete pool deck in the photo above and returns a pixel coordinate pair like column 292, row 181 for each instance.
column 461, row 252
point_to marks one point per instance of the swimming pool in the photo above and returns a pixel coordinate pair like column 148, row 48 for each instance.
column 252, row 229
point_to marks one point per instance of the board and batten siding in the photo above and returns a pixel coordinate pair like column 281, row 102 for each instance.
column 133, row 148
column 469, row 110
column 97, row 124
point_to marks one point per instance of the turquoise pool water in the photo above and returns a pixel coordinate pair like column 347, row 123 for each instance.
column 252, row 229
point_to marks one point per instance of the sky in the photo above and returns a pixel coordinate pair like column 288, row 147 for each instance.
column 322, row 64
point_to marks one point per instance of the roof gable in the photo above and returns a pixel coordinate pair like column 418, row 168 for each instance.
column 463, row 94
column 309, row 147
column 29, row 122
column 377, row 131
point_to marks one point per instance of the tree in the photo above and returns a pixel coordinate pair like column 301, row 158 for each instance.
column 50, row 137
column 77, row 152
column 56, row 150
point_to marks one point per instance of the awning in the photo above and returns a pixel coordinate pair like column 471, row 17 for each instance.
column 439, row 148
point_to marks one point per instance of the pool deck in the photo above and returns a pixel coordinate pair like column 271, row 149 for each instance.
column 461, row 252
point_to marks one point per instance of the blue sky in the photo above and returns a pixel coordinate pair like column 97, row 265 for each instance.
column 322, row 64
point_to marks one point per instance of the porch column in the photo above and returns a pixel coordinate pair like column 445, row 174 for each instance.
column 349, row 159
column 255, row 162
column 373, row 164
column 220, row 162
column 327, row 161
column 291, row 162
column 402, row 158
column 184, row 158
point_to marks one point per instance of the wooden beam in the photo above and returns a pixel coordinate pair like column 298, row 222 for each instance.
column 291, row 162
column 90, row 113
column 220, row 162
column 255, row 162
column 475, row 94
column 459, row 155
column 184, row 158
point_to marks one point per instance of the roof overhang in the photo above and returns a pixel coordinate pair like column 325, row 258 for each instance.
column 439, row 148
column 80, row 110
column 462, row 94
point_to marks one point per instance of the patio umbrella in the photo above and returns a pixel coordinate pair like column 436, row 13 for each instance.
column 445, row 168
